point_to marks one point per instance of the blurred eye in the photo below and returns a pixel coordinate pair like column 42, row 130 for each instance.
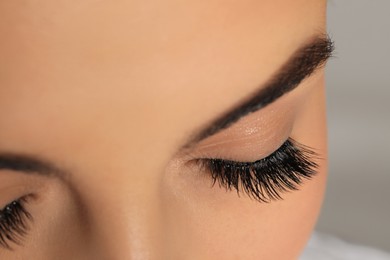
column 265, row 179
column 14, row 220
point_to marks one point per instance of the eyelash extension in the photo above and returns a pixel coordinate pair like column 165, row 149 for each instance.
column 13, row 223
column 264, row 180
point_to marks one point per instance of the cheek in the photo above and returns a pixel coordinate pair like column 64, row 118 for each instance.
column 224, row 226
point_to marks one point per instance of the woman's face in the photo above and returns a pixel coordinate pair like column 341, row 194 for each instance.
column 125, row 99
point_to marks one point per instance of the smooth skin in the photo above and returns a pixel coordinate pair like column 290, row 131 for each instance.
column 111, row 90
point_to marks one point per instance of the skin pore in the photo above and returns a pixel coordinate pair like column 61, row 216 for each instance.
column 111, row 91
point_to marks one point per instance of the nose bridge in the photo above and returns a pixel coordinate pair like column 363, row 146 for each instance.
column 124, row 216
column 127, row 227
column 121, row 192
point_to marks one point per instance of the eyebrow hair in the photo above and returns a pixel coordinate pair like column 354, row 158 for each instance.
column 30, row 165
column 303, row 63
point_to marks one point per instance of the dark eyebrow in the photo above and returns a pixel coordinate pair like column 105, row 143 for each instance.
column 306, row 60
column 29, row 165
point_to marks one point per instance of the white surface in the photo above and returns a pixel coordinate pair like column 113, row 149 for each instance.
column 327, row 247
column 357, row 206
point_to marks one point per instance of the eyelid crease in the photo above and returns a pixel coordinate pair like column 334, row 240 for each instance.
column 258, row 134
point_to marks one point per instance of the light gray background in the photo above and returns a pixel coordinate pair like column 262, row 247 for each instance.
column 357, row 204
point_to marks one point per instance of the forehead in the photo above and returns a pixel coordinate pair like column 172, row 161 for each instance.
column 139, row 73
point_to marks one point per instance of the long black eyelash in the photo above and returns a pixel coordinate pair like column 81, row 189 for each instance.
column 13, row 223
column 264, row 180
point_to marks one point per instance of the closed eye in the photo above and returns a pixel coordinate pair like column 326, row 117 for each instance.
column 266, row 179
column 14, row 220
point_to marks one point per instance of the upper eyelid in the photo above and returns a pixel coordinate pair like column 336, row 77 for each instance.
column 246, row 163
